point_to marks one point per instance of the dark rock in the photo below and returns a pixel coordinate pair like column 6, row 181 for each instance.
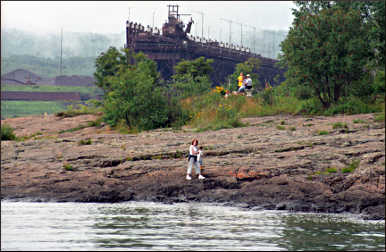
column 151, row 166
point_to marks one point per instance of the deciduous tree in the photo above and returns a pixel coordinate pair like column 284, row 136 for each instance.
column 326, row 49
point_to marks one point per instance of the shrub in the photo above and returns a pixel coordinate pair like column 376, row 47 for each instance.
column 137, row 99
column 68, row 167
column 212, row 111
column 311, row 107
column 380, row 117
column 122, row 128
column 91, row 107
column 379, row 83
column 358, row 121
column 134, row 91
column 73, row 129
column 7, row 132
column 292, row 128
column 187, row 85
column 351, row 167
column 96, row 123
column 322, row 132
column 86, row 141
column 267, row 96
column 350, row 105
column 332, row 170
column 339, row 125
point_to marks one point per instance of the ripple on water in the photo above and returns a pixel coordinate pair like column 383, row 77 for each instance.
column 183, row 226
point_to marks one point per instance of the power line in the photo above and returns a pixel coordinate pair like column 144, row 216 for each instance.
column 61, row 50
column 230, row 28
column 254, row 37
column 241, row 25
column 202, row 21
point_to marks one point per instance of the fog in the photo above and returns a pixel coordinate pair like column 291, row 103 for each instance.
column 89, row 28
column 106, row 17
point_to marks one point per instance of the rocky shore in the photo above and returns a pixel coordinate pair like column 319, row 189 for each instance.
column 314, row 164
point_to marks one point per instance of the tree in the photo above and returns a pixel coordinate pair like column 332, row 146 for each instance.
column 133, row 93
column 195, row 68
column 326, row 49
column 377, row 32
column 192, row 77
column 113, row 63
column 251, row 66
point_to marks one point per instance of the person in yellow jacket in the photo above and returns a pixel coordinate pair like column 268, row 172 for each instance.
column 240, row 80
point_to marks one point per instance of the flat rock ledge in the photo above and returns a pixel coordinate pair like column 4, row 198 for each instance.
column 312, row 164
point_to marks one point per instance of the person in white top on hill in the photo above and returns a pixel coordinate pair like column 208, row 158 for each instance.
column 248, row 85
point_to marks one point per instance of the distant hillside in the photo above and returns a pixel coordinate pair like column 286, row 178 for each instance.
column 75, row 44
column 41, row 53
column 87, row 44
column 47, row 67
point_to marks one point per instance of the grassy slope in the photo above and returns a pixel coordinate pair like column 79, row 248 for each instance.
column 86, row 90
column 24, row 108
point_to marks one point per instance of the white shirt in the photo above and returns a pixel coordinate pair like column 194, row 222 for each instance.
column 199, row 155
column 191, row 149
column 248, row 82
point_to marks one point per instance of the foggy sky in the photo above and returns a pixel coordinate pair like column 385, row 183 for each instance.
column 110, row 16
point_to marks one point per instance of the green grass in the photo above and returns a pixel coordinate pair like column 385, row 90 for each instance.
column 358, row 121
column 380, row 117
column 7, row 132
column 86, row 141
column 68, row 167
column 87, row 90
column 74, row 129
column 79, row 109
column 332, row 170
column 280, row 127
column 338, row 125
column 322, row 132
column 10, row 109
column 351, row 167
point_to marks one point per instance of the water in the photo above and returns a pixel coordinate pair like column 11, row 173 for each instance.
column 184, row 226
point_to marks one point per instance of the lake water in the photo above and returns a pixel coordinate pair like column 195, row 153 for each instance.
column 182, row 226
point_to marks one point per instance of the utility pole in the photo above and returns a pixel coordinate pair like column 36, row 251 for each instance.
column 153, row 19
column 254, row 37
column 241, row 25
column 202, row 21
column 61, row 50
column 230, row 28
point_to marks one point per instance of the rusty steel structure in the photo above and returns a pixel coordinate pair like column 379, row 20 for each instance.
column 174, row 43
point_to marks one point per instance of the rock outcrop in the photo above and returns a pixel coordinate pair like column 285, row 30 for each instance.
column 276, row 162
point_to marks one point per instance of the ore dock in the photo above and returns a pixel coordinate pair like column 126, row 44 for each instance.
column 174, row 43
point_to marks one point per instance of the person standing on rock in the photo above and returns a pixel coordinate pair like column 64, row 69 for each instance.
column 192, row 160
column 199, row 157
